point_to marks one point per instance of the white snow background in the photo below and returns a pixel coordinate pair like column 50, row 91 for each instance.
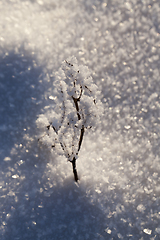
column 118, row 196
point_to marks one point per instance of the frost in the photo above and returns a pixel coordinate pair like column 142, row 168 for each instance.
column 77, row 107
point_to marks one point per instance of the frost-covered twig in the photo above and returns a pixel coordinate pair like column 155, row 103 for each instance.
column 73, row 111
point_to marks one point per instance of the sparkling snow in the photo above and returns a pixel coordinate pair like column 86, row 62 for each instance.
column 118, row 195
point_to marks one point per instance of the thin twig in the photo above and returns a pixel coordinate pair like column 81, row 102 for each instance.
column 81, row 138
column 77, row 107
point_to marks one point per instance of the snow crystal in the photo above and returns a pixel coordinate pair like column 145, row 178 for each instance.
column 147, row 231
column 7, row 159
column 15, row 176
column 141, row 208
column 107, row 230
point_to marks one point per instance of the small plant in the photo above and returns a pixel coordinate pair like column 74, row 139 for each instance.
column 72, row 112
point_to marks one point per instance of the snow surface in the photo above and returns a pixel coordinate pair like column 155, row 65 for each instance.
column 118, row 196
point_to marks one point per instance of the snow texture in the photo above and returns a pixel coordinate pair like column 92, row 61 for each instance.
column 118, row 45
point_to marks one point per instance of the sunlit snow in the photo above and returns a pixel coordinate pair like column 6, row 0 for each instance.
column 118, row 195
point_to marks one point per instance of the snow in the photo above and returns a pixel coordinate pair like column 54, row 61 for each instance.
column 118, row 195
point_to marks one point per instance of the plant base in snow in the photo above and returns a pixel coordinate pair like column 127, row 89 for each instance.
column 74, row 170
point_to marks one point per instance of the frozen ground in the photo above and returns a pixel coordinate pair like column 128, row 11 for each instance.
column 118, row 196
